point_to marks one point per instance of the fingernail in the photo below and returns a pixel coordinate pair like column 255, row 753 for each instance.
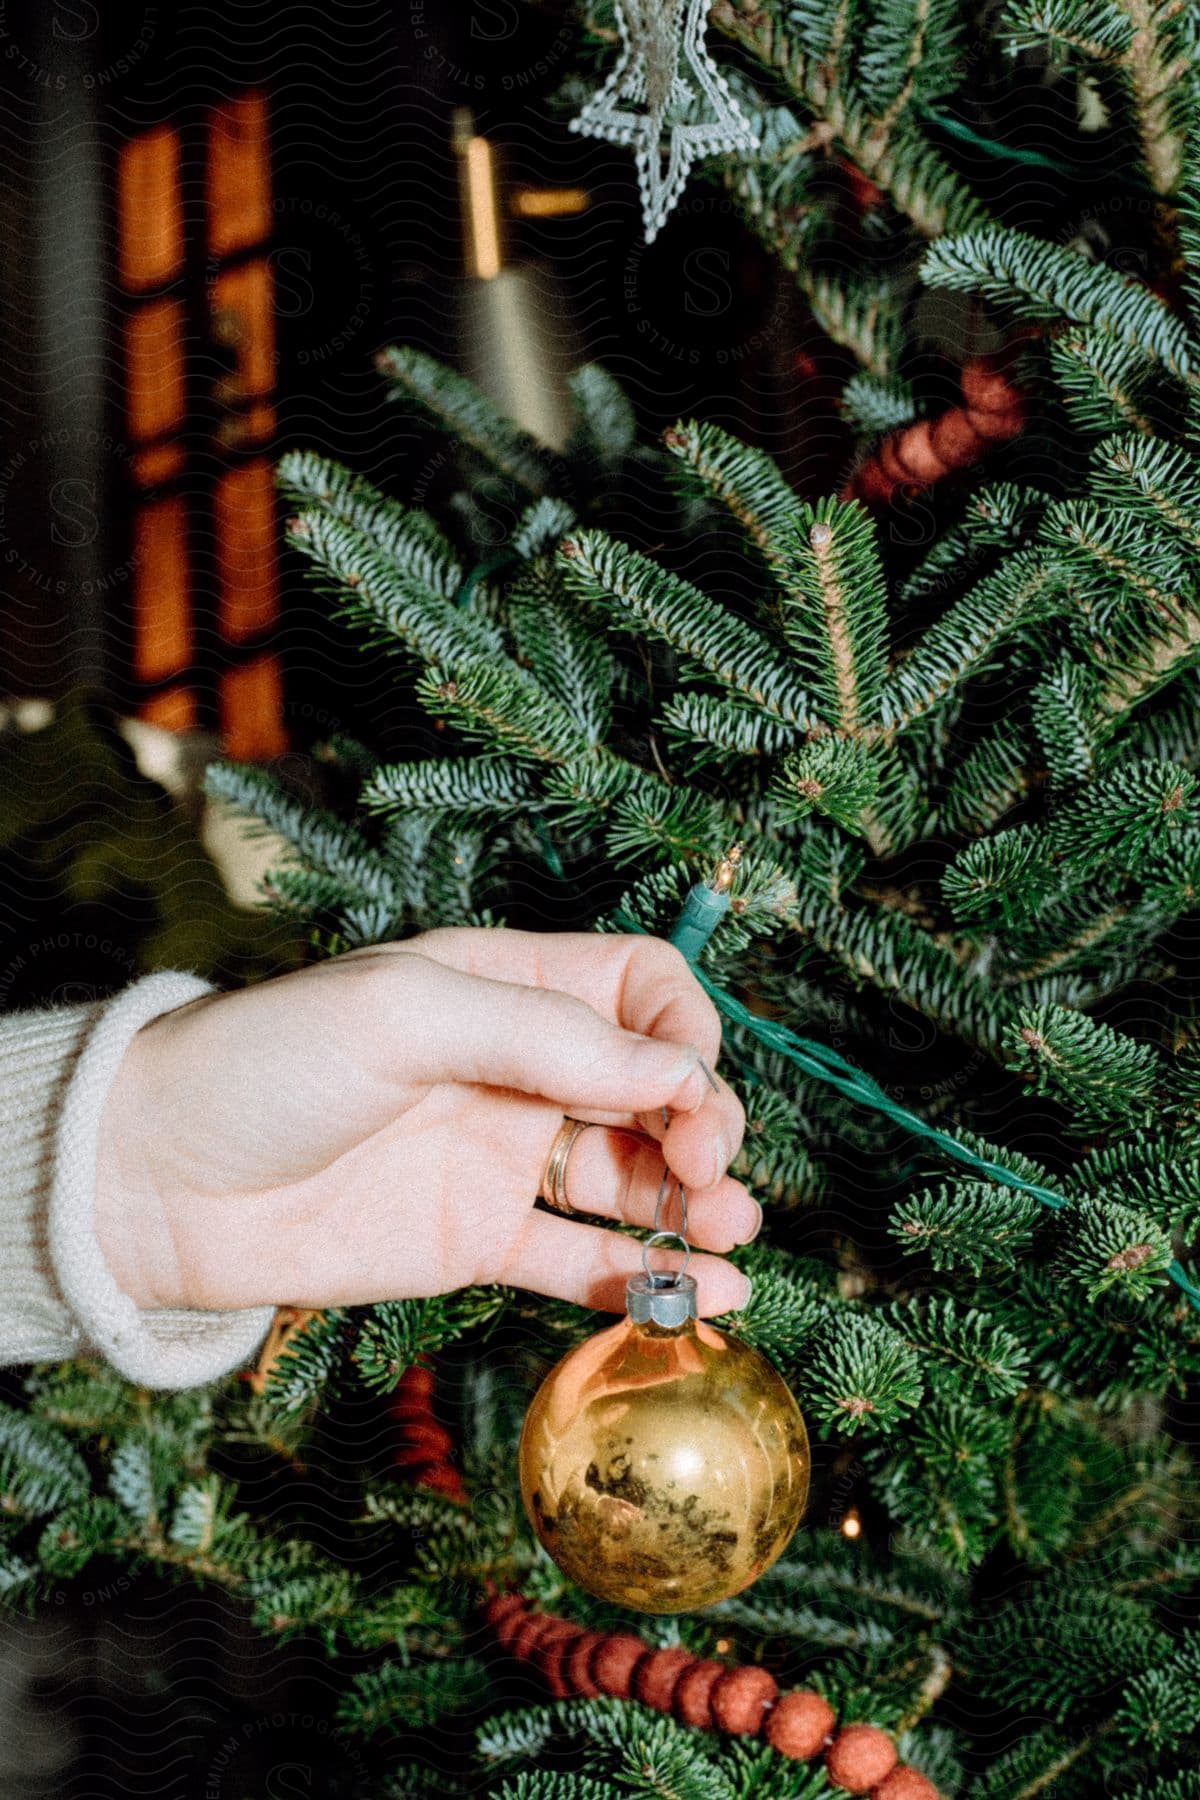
column 743, row 1303
column 709, row 1076
column 758, row 1227
column 692, row 1084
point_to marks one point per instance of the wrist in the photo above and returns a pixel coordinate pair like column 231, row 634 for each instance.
column 131, row 1217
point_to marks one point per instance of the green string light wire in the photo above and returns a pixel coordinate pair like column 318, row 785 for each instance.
column 702, row 912
column 1034, row 158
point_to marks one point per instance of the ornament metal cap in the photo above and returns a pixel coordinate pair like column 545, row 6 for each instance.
column 667, row 1300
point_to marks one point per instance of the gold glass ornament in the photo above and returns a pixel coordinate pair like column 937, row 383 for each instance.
column 664, row 1465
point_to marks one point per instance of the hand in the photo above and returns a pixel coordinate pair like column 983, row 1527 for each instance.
column 376, row 1127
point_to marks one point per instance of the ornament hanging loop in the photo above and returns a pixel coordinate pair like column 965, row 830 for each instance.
column 665, row 1297
column 666, row 1278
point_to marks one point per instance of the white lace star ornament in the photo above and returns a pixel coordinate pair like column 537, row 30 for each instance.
column 667, row 98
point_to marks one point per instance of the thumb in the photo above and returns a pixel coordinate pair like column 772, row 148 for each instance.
column 446, row 1025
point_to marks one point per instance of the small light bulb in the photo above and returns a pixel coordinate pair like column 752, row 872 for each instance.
column 852, row 1524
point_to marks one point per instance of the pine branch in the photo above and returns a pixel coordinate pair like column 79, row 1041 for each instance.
column 834, row 777
column 968, row 1224
column 392, row 602
column 1106, row 1078
column 1044, row 283
column 958, row 644
column 990, row 780
column 744, row 481
column 704, row 729
column 411, row 540
column 1064, row 716
column 888, row 150
column 1109, row 561
column 566, row 655
column 478, row 787
column 875, row 405
column 607, row 574
column 326, row 844
column 505, row 710
column 1106, row 385
column 834, row 611
column 605, row 425
column 909, row 53
column 462, row 412
column 1159, row 480
column 964, row 1346
column 1160, row 58
column 40, row 1469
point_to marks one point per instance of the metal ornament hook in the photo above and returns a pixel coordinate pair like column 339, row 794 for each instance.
column 669, row 1277
column 666, row 1297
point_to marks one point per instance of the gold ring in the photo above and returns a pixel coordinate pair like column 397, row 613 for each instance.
column 554, row 1182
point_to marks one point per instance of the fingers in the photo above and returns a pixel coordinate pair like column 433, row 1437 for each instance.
column 618, row 1175
column 570, row 1261
column 699, row 1146
column 439, row 1024
column 639, row 982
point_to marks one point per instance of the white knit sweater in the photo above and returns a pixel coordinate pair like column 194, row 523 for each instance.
column 58, row 1297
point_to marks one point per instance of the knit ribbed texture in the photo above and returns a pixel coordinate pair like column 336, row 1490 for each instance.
column 58, row 1297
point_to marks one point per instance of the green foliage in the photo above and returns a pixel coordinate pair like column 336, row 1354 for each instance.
column 967, row 1225
column 1040, row 282
column 833, row 777
column 864, row 1377
column 40, row 1469
column 463, row 412
column 877, row 404
column 644, row 722
column 397, row 1332
column 834, row 614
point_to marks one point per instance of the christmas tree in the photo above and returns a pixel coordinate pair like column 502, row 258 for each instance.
column 950, row 792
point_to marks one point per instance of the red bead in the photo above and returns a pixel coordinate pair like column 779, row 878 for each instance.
column 985, row 388
column 860, row 1757
column 577, row 1664
column 905, row 1783
column 554, row 1631
column 443, row 1478
column 428, row 1435
column 657, row 1675
column 613, row 1663
column 800, row 1725
column 416, row 1380
column 501, row 1607
column 550, row 1655
column 916, row 454
column 693, row 1693
column 525, row 1638
column 956, row 443
column 741, row 1697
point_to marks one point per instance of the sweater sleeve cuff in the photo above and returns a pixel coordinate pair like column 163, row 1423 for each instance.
column 162, row 1349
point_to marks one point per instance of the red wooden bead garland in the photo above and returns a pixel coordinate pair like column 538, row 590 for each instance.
column 743, row 1700
column 577, row 1664
column 614, row 1661
column 424, row 1447
column 915, row 456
